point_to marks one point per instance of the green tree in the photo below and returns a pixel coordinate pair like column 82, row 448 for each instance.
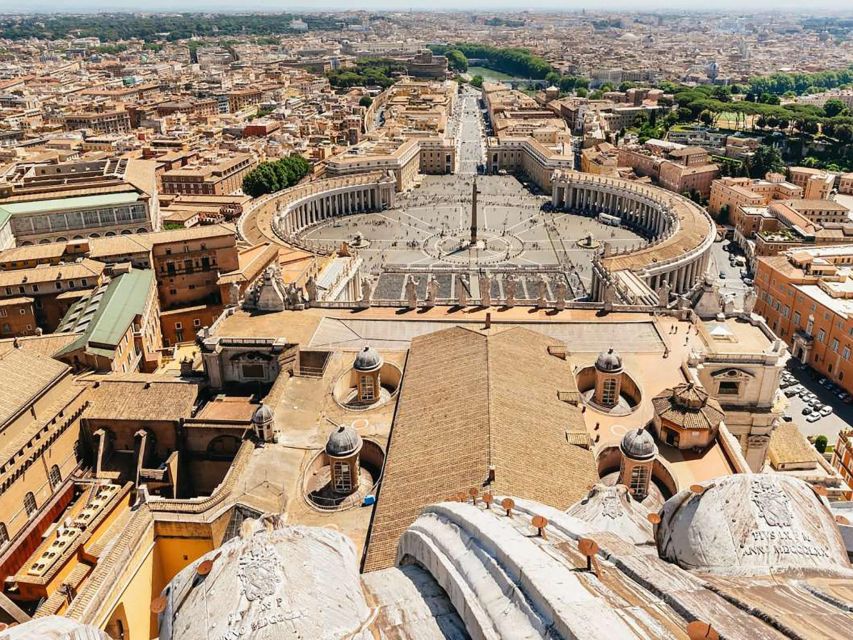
column 477, row 81
column 456, row 61
column 820, row 443
column 765, row 159
column 834, row 107
column 365, row 101
column 269, row 177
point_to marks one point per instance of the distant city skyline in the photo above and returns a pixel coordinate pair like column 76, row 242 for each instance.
column 754, row 6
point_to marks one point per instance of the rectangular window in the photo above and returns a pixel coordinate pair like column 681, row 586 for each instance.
column 729, row 388
column 797, row 318
column 845, row 353
column 834, row 345
column 821, row 334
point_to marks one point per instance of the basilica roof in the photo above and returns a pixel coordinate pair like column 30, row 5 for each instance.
column 473, row 406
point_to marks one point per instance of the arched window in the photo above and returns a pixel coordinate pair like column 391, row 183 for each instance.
column 4, row 534
column 30, row 503
column 224, row 445
column 55, row 477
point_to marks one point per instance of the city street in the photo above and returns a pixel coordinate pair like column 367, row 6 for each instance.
column 733, row 282
column 470, row 141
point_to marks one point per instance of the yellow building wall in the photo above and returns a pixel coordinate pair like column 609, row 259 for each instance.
column 132, row 612
column 174, row 554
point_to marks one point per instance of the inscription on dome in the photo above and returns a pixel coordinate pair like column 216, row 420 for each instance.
column 772, row 503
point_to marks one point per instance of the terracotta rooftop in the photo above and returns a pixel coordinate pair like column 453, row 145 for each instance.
column 789, row 446
column 24, row 375
column 141, row 397
column 471, row 400
column 689, row 407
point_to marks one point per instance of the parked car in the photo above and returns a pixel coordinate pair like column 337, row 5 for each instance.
column 807, row 410
column 790, row 392
column 815, row 403
column 748, row 281
column 844, row 396
column 826, row 410
column 813, row 417
column 722, row 275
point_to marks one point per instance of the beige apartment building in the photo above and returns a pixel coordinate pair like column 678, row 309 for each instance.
column 114, row 120
column 730, row 193
column 680, row 169
column 212, row 178
column 815, row 183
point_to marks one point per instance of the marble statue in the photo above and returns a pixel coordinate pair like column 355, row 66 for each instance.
column 411, row 292
column 664, row 291
column 366, row 290
column 749, row 301
column 462, row 290
column 485, row 291
column 561, row 290
column 542, row 292
column 510, row 286
column 311, row 289
column 431, row 291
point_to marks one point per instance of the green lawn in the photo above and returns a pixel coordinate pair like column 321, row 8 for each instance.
column 489, row 75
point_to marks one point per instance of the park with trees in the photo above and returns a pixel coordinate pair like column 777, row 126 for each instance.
column 269, row 177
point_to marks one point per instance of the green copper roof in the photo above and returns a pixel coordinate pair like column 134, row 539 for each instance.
column 4, row 217
column 105, row 316
column 64, row 204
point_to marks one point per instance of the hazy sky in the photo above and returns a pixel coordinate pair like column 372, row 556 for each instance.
column 811, row 6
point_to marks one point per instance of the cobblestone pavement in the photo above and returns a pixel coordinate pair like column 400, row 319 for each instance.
column 429, row 226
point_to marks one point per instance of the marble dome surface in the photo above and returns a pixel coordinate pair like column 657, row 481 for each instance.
column 751, row 524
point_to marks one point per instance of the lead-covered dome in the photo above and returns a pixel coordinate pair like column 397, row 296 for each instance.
column 638, row 444
column 750, row 523
column 609, row 361
column 368, row 359
column 343, row 441
column 263, row 415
